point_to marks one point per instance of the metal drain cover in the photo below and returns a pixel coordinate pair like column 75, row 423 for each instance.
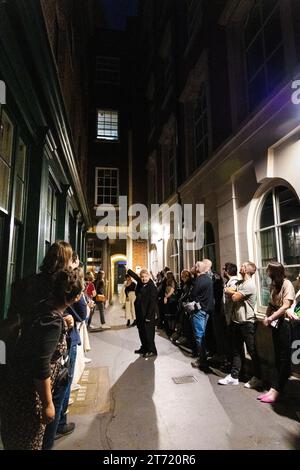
column 185, row 379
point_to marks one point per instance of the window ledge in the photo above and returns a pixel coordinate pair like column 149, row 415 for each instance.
column 106, row 141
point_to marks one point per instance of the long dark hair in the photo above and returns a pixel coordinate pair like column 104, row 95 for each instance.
column 67, row 285
column 276, row 272
column 57, row 258
column 171, row 281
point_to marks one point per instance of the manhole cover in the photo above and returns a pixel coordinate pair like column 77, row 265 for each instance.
column 186, row 379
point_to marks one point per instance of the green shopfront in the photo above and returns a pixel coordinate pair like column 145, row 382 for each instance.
column 41, row 194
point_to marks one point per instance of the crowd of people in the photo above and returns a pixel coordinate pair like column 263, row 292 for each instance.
column 51, row 312
column 214, row 318
column 210, row 315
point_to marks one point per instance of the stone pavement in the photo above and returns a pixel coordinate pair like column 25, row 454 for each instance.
column 129, row 402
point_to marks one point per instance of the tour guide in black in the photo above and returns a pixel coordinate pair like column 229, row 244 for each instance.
column 202, row 294
column 145, row 309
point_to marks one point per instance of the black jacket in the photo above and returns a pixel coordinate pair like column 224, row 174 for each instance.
column 146, row 297
column 203, row 292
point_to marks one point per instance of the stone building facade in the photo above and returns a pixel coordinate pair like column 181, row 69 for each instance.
column 223, row 131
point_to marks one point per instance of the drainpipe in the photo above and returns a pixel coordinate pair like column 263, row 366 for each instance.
column 181, row 238
column 235, row 222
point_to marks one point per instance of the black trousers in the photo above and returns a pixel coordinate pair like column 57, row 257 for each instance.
column 244, row 333
column 146, row 331
column 282, row 351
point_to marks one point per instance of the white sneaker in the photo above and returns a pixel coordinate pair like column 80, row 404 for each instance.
column 71, row 401
column 228, row 380
column 254, row 383
column 105, row 326
column 87, row 360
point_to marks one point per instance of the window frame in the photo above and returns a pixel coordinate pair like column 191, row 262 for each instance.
column 173, row 253
column 203, row 253
column 277, row 227
column 100, row 69
column 194, row 18
column 263, row 67
column 54, row 200
column 12, row 227
column 107, row 139
column 97, row 168
column 203, row 116
column 10, row 162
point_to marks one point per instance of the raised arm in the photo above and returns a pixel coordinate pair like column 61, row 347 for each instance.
column 135, row 276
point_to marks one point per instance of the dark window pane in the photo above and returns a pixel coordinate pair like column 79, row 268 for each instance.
column 292, row 274
column 19, row 201
column 267, row 8
column 205, row 148
column 268, row 247
column 272, row 33
column 267, row 213
column 255, row 56
column 199, row 155
column 253, row 25
column 4, row 184
column 291, row 243
column 2, row 224
column 257, row 90
column 264, row 282
column 276, row 68
column 209, row 234
column 289, row 205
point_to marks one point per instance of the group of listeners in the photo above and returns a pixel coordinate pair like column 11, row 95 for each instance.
column 214, row 317
column 49, row 310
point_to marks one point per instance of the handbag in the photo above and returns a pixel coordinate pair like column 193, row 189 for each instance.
column 100, row 298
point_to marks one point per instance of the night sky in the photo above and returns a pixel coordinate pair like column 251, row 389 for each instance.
column 116, row 12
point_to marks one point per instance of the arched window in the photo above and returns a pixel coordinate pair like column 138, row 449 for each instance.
column 278, row 236
column 208, row 251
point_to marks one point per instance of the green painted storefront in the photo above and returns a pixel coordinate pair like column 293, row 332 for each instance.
column 41, row 195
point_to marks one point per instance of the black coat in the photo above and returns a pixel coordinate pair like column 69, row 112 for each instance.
column 146, row 298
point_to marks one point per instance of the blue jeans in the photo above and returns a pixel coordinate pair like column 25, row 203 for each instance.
column 51, row 428
column 60, row 399
column 72, row 360
column 199, row 322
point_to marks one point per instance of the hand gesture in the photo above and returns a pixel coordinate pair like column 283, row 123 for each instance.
column 69, row 321
column 48, row 413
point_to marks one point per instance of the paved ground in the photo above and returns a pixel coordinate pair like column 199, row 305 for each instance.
column 132, row 403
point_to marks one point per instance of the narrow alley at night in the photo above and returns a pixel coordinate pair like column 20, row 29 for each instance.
column 149, row 228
